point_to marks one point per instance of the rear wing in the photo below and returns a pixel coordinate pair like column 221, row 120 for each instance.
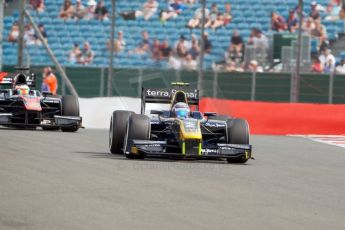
column 8, row 79
column 166, row 96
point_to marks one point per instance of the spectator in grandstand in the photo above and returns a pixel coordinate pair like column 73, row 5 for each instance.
column 213, row 13
column 101, row 12
column 230, row 63
column 74, row 54
column 165, row 50
column 90, row 10
column 329, row 67
column 173, row 11
column 194, row 50
column 43, row 32
column 144, row 46
column 277, row 22
column 258, row 39
column 119, row 43
column 227, row 15
column 319, row 32
column 148, row 10
column 314, row 12
column 67, row 10
column 327, row 60
column 188, row 63
column 79, row 10
column 236, row 45
column 207, row 44
column 29, row 35
column 292, row 22
column 182, row 47
column 333, row 10
column 37, row 5
column 174, row 63
column 316, row 66
column 255, row 67
column 308, row 25
column 49, row 82
column 190, row 2
column 155, row 50
column 14, row 33
column 341, row 67
column 87, row 54
column 196, row 20
column 215, row 18
column 214, row 24
column 297, row 10
column 342, row 12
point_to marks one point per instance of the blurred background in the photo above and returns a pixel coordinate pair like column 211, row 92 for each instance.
column 250, row 49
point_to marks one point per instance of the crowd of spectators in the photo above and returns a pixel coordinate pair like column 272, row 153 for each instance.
column 185, row 52
column 312, row 23
column 82, row 56
column 234, row 55
column 93, row 10
column 213, row 18
column 30, row 36
column 323, row 61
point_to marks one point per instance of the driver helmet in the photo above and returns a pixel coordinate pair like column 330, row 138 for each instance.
column 181, row 110
column 22, row 90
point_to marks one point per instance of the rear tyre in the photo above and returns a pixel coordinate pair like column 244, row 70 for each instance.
column 117, row 130
column 138, row 128
column 238, row 133
column 70, row 107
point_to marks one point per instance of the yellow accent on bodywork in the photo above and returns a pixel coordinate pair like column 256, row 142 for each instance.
column 246, row 154
column 190, row 135
column 184, row 148
column 134, row 150
column 200, row 148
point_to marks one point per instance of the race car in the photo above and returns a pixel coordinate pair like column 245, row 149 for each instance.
column 178, row 131
column 26, row 108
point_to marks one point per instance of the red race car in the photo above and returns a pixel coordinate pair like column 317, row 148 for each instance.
column 27, row 108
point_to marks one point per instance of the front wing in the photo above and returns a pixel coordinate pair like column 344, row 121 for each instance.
column 159, row 148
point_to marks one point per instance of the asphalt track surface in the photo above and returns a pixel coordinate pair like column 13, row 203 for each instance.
column 54, row 180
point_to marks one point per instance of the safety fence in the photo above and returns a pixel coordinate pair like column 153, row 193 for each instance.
column 314, row 88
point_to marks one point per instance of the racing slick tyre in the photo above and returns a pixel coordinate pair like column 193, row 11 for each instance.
column 117, row 130
column 138, row 127
column 238, row 133
column 70, row 107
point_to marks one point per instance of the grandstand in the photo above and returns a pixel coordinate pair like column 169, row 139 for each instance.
column 63, row 34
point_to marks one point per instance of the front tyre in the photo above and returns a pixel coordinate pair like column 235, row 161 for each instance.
column 238, row 133
column 117, row 130
column 70, row 107
column 138, row 128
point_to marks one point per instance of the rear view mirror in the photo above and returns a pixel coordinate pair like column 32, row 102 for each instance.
column 157, row 112
column 210, row 114
column 46, row 94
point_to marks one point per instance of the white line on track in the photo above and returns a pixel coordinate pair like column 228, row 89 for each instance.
column 337, row 140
